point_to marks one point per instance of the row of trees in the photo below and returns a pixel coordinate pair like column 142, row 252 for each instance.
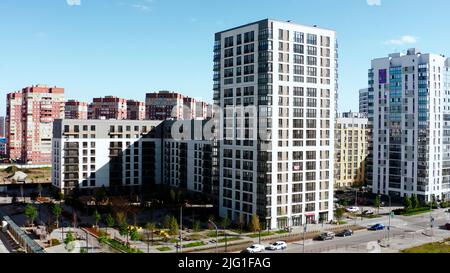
column 32, row 213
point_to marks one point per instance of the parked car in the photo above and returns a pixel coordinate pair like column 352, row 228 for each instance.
column 255, row 248
column 326, row 236
column 377, row 227
column 280, row 245
column 447, row 226
column 368, row 212
column 352, row 209
column 345, row 233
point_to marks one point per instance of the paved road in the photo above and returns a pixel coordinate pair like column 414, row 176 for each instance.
column 405, row 232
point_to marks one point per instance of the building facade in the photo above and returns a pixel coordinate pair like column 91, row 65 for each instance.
column 118, row 154
column 135, row 110
column 279, row 166
column 29, row 116
column 126, row 155
column 351, row 149
column 2, row 127
column 76, row 110
column 164, row 105
column 108, row 107
column 3, row 144
column 410, row 117
column 364, row 101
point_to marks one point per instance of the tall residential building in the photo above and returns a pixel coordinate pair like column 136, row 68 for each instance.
column 351, row 149
column 410, row 118
column 29, row 117
column 129, row 155
column 119, row 154
column 201, row 110
column 135, row 110
column 164, row 105
column 2, row 127
column 108, row 107
column 276, row 84
column 364, row 101
column 76, row 110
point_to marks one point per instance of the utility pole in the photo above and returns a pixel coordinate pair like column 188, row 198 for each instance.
column 304, row 232
column 389, row 224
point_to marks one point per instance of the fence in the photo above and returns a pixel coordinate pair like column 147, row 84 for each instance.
column 24, row 166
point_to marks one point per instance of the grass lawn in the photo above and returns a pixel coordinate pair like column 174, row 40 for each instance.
column 194, row 244
column 440, row 247
column 263, row 234
column 212, row 234
column 373, row 216
column 229, row 239
column 164, row 248
column 120, row 246
column 412, row 212
column 281, row 231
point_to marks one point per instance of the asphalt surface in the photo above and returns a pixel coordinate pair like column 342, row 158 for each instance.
column 405, row 232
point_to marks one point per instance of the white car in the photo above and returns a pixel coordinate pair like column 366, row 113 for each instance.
column 255, row 248
column 280, row 245
column 352, row 209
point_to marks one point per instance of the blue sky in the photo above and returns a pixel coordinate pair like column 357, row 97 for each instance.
column 129, row 47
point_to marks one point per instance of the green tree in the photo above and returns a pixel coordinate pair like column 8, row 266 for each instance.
column 167, row 220
column 339, row 213
column 100, row 195
column 150, row 228
column 173, row 228
column 40, row 190
column 225, row 223
column 254, row 223
column 414, row 201
column 69, row 238
column 123, row 229
column 407, row 202
column 97, row 217
column 377, row 203
column 134, row 234
column 173, row 196
column 196, row 226
column 434, row 203
column 109, row 222
column 31, row 213
column 56, row 211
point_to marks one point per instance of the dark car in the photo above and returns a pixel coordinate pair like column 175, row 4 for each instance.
column 377, row 227
column 326, row 236
column 447, row 226
column 345, row 233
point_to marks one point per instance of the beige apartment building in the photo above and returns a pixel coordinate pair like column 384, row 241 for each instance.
column 351, row 149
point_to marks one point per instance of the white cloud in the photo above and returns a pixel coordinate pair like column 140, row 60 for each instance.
column 73, row 2
column 406, row 39
column 141, row 7
column 374, row 2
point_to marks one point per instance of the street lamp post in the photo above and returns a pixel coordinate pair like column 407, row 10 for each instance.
column 304, row 232
column 87, row 242
column 181, row 218
column 217, row 235
column 389, row 224
column 390, row 216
